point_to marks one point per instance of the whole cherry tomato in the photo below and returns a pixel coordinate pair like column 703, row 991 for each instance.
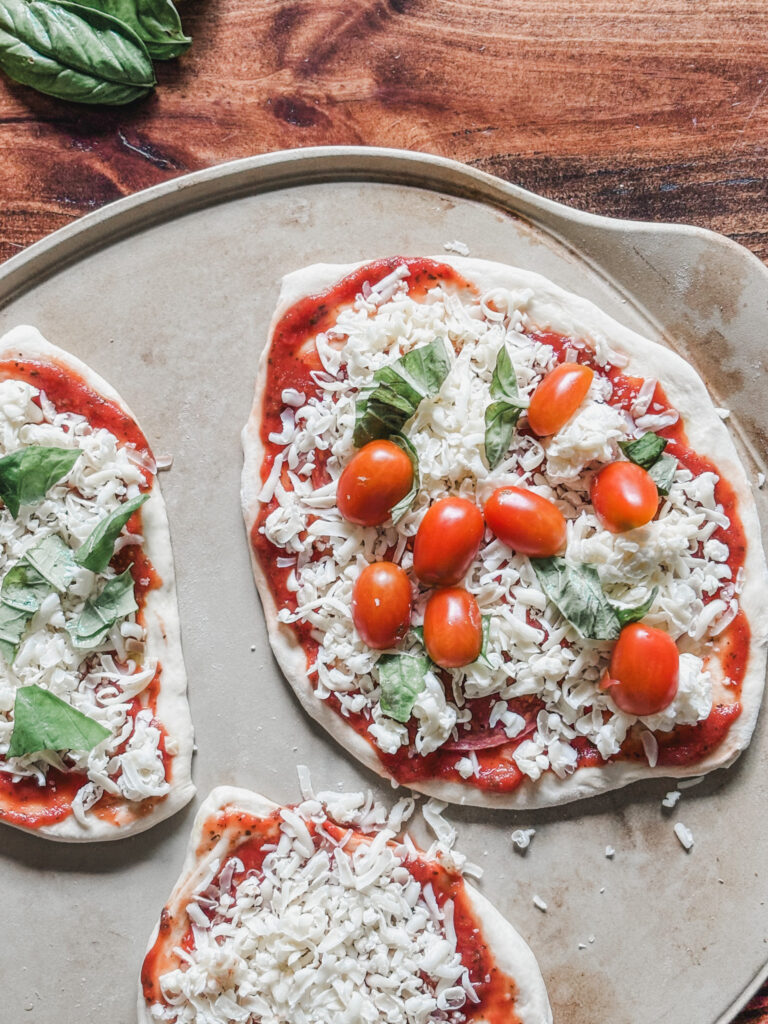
column 558, row 397
column 624, row 496
column 381, row 604
column 526, row 522
column 453, row 627
column 378, row 476
column 447, row 541
column 644, row 669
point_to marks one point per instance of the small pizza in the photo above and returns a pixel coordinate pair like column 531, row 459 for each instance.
column 507, row 551
column 95, row 733
column 320, row 913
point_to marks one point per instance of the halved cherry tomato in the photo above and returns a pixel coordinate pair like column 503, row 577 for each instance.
column 644, row 669
column 381, row 604
column 624, row 496
column 378, row 476
column 447, row 541
column 558, row 397
column 453, row 627
column 528, row 523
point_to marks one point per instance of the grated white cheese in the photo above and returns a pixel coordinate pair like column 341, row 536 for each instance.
column 521, row 838
column 684, row 834
column 531, row 649
column 328, row 931
column 671, row 798
column 98, row 683
column 539, row 903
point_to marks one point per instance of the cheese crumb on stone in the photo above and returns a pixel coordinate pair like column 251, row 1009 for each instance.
column 671, row 798
column 684, row 834
column 539, row 903
column 531, row 650
column 521, row 838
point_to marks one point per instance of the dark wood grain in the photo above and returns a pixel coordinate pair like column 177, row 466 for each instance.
column 649, row 109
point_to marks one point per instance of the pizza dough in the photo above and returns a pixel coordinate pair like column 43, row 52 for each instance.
column 337, row 860
column 526, row 306
column 141, row 774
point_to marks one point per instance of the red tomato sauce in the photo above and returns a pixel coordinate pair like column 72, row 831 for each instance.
column 25, row 802
column 496, row 990
column 291, row 363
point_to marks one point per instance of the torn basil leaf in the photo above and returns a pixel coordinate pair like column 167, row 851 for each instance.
column 96, row 553
column 576, row 592
column 662, row 472
column 399, row 510
column 42, row 721
column 627, row 615
column 502, row 415
column 645, row 450
column 28, row 474
column 385, row 407
column 114, row 603
column 402, row 677
column 46, row 566
column 648, row 451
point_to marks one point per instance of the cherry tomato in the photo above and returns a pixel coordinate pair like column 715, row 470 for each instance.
column 624, row 496
column 378, row 476
column 453, row 627
column 643, row 673
column 558, row 397
column 447, row 541
column 381, row 604
column 528, row 523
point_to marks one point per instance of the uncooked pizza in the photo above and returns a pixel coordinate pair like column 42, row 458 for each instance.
column 95, row 734
column 323, row 913
column 507, row 551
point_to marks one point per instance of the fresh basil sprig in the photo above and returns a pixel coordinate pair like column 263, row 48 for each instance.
column 73, row 52
column 42, row 721
column 27, row 475
column 96, row 552
column 100, row 613
column 502, row 415
column 648, row 452
column 155, row 22
column 385, row 407
column 47, row 566
column 402, row 677
column 576, row 592
column 399, row 510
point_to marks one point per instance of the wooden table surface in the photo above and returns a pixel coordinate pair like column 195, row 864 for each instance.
column 648, row 109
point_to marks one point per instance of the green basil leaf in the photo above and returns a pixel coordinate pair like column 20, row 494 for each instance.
column 645, row 450
column 502, row 415
column 24, row 588
column 384, row 408
column 95, row 554
column 662, row 472
column 42, row 721
column 399, row 510
column 402, row 677
column 504, row 379
column 576, row 592
column 500, row 422
column 73, row 52
column 115, row 601
column 54, row 562
column 418, row 632
column 13, row 622
column 155, row 22
column 627, row 615
column 27, row 475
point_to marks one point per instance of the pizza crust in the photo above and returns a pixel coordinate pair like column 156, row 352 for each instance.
column 512, row 953
column 162, row 624
column 549, row 307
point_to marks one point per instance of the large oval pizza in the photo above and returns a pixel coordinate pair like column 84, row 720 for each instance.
column 95, row 731
column 322, row 912
column 506, row 548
